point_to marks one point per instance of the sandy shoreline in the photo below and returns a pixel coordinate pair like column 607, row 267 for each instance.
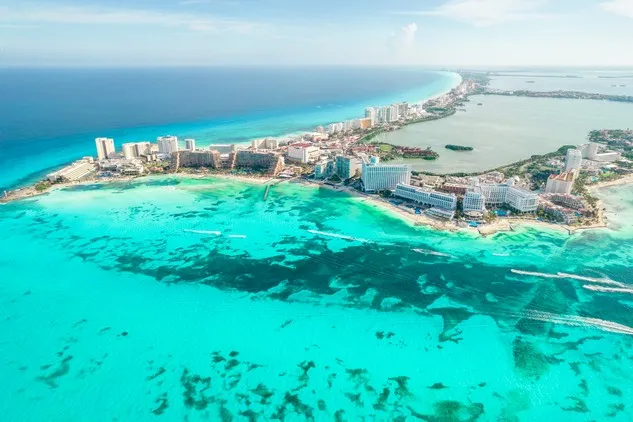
column 406, row 215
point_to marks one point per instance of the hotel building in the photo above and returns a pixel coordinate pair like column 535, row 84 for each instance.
column 105, row 148
column 573, row 160
column 370, row 113
column 561, row 183
column 519, row 199
column 447, row 201
column 377, row 177
column 167, row 144
column 75, row 171
column 133, row 150
column 346, row 167
column 270, row 162
column 190, row 144
column 303, row 153
column 474, row 202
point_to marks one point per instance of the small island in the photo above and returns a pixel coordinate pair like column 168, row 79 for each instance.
column 458, row 147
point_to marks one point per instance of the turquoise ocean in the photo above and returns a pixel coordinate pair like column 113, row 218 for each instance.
column 195, row 299
column 179, row 298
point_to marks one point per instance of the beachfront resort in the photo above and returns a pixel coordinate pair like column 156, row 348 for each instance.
column 342, row 156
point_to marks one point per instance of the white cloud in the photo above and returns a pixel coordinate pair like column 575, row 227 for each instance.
column 44, row 14
column 619, row 7
column 486, row 12
column 408, row 34
column 404, row 39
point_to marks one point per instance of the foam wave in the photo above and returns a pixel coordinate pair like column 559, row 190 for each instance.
column 339, row 236
column 578, row 321
column 237, row 236
column 608, row 289
column 534, row 274
column 213, row 232
column 601, row 280
column 429, row 252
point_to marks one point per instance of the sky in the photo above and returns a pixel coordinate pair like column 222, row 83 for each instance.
column 447, row 33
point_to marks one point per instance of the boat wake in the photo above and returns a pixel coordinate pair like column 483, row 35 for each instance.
column 598, row 280
column 609, row 289
column 237, row 236
column 429, row 252
column 534, row 274
column 213, row 232
column 339, row 236
column 578, row 321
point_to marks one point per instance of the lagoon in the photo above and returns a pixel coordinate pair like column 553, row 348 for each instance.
column 507, row 129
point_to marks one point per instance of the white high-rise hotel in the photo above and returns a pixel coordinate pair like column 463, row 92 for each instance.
column 167, row 144
column 190, row 144
column 133, row 150
column 377, row 177
column 573, row 161
column 105, row 148
column 521, row 200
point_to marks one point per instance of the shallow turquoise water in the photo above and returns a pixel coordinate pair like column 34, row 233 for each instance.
column 195, row 299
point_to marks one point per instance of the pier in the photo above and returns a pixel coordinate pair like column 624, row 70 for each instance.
column 266, row 192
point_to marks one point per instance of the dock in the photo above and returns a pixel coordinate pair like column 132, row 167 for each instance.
column 266, row 192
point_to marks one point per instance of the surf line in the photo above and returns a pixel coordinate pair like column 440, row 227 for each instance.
column 603, row 280
column 339, row 236
column 578, row 321
column 429, row 252
column 213, row 232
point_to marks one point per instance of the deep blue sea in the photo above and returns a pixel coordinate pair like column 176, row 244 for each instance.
column 51, row 116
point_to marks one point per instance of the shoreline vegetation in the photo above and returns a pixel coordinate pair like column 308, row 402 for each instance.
column 439, row 107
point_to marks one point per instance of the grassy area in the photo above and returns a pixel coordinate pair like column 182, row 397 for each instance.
column 42, row 186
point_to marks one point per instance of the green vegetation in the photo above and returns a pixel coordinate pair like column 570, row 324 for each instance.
column 458, row 147
column 42, row 186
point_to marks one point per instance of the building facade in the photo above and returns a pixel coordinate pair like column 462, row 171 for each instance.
column 190, row 144
column 105, row 148
column 268, row 162
column 132, row 150
column 167, row 144
column 346, row 167
column 77, row 170
column 573, row 160
column 521, row 200
column 199, row 158
column 561, row 183
column 377, row 177
column 424, row 196
column 474, row 202
column 303, row 153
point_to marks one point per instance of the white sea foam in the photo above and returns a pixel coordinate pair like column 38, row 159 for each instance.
column 578, row 321
column 608, row 289
column 237, row 236
column 339, row 236
column 213, row 232
column 429, row 252
column 534, row 274
column 501, row 254
column 601, row 280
